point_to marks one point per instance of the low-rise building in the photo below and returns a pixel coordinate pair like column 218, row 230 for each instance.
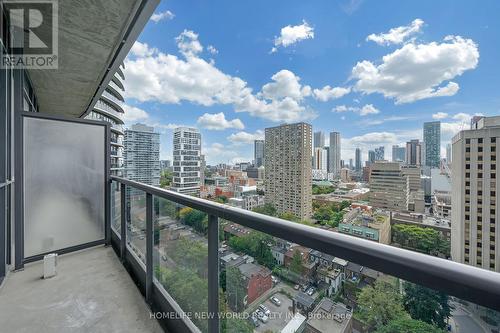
column 248, row 202
column 443, row 225
column 258, row 280
column 329, row 317
column 278, row 253
column 373, row 226
column 360, row 274
column 441, row 204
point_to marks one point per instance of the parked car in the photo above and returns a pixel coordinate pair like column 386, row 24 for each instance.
column 296, row 287
column 254, row 321
column 264, row 309
column 304, row 288
column 164, row 258
column 262, row 316
column 275, row 301
column 310, row 291
column 274, row 279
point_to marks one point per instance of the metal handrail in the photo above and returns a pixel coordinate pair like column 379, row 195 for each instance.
column 470, row 283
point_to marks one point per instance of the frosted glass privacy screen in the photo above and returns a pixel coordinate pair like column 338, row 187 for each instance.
column 64, row 184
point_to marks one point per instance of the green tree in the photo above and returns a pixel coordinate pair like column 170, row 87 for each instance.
column 254, row 244
column 426, row 304
column 408, row 325
column 188, row 289
column 236, row 289
column 266, row 209
column 165, row 178
column 221, row 199
column 191, row 255
column 426, row 240
column 296, row 263
column 380, row 304
column 319, row 189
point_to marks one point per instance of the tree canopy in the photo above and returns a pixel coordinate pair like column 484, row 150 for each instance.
column 426, row 304
column 380, row 304
column 408, row 325
column 426, row 240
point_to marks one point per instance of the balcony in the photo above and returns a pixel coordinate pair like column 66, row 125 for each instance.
column 83, row 297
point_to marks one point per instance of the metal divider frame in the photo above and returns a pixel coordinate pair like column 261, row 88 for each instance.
column 20, row 259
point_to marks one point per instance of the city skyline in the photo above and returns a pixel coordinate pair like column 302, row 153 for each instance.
column 367, row 116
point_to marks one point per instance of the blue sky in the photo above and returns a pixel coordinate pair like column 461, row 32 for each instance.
column 372, row 70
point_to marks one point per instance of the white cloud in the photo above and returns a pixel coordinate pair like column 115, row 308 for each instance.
column 418, row 71
column 245, row 137
column 168, row 79
column 292, row 34
column 166, row 15
column 397, row 35
column 363, row 111
column 285, row 84
column 218, row 122
column 132, row 113
column 188, row 43
column 212, row 49
column 368, row 109
column 327, row 93
column 440, row 115
column 142, row 50
column 459, row 122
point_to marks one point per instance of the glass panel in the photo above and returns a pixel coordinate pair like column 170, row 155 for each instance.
column 180, row 258
column 136, row 223
column 274, row 286
column 64, row 184
column 116, row 207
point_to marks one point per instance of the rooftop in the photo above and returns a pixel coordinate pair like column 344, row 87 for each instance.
column 330, row 317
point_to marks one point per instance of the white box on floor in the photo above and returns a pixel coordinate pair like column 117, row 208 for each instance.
column 49, row 265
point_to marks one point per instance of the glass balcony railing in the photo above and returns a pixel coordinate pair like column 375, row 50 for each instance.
column 217, row 268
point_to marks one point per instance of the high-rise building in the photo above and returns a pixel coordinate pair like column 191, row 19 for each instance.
column 142, row 154
column 187, row 161
column 432, row 143
column 380, row 153
column 388, row 186
column 165, row 164
column 448, row 153
column 258, row 152
column 475, row 229
column 358, row 159
column 413, row 152
column 371, row 156
column 334, row 156
column 109, row 108
column 288, row 175
column 319, row 139
column 398, row 153
column 203, row 165
column 320, row 161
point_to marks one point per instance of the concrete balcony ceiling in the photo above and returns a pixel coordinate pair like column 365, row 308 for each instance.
column 94, row 38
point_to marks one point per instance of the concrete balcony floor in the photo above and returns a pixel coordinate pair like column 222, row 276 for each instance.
column 92, row 292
